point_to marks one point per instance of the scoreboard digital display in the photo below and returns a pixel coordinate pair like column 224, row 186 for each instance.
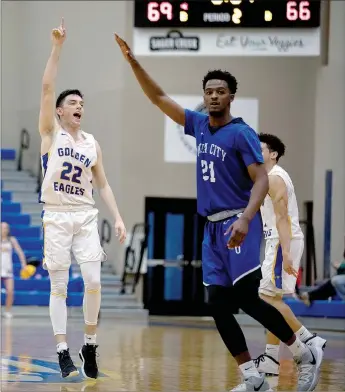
column 227, row 13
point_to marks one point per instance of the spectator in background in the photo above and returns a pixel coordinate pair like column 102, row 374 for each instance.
column 8, row 244
column 333, row 286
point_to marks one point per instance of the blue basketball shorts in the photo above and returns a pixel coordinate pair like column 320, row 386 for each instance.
column 222, row 266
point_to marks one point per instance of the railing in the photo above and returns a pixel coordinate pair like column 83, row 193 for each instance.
column 105, row 232
column 39, row 176
column 134, row 255
column 24, row 145
column 310, row 265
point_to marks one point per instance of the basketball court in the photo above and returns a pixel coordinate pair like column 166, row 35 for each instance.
column 161, row 354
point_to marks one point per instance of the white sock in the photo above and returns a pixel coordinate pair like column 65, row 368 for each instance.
column 272, row 350
column 297, row 348
column 61, row 346
column 248, row 369
column 90, row 339
column 303, row 334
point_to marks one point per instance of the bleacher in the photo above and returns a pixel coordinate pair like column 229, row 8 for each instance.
column 334, row 308
column 167, row 288
column 36, row 290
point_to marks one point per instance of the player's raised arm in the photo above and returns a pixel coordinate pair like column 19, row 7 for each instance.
column 155, row 94
column 47, row 110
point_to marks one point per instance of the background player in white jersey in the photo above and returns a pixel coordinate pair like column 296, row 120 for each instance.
column 72, row 163
column 283, row 250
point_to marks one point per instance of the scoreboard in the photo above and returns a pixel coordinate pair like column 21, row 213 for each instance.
column 227, row 13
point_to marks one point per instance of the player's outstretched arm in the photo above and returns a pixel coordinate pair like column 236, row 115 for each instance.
column 47, row 110
column 154, row 92
column 107, row 195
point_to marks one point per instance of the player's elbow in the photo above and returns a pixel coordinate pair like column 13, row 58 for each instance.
column 103, row 186
column 158, row 100
column 47, row 87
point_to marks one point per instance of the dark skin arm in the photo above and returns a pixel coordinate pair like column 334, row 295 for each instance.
column 151, row 89
column 239, row 229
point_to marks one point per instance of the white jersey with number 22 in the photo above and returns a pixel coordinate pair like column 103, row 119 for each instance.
column 67, row 170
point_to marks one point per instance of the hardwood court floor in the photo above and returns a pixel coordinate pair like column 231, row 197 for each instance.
column 135, row 356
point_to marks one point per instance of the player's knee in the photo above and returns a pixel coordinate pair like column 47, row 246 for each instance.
column 268, row 298
column 58, row 288
column 92, row 284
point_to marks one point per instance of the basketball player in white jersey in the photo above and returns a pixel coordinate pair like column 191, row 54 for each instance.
column 72, row 164
column 283, row 251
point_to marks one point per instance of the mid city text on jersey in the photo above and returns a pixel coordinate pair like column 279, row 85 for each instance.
column 212, row 149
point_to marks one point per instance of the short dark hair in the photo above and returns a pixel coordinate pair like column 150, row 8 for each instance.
column 274, row 144
column 221, row 75
column 65, row 93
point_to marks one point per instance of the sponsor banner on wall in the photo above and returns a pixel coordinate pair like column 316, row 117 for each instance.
column 226, row 42
column 181, row 148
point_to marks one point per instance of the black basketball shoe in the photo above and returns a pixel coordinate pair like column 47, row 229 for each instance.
column 88, row 356
column 66, row 364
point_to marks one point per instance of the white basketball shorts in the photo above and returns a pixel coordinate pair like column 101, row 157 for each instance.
column 275, row 280
column 70, row 232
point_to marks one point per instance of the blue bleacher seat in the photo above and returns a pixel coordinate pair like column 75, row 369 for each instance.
column 75, row 285
column 30, row 243
column 6, row 196
column 41, row 298
column 8, row 154
column 24, row 231
column 9, row 207
column 16, row 219
column 36, row 290
column 331, row 309
column 37, row 254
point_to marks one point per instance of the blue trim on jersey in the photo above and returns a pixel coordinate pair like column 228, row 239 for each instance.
column 278, row 268
column 43, row 237
column 44, row 160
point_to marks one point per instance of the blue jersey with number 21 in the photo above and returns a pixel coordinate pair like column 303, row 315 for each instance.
column 223, row 155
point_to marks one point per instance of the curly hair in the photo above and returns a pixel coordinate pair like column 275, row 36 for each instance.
column 221, row 75
column 273, row 143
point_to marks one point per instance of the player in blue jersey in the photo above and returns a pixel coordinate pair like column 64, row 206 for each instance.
column 231, row 186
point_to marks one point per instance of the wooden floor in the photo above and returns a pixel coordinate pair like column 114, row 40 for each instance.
column 162, row 355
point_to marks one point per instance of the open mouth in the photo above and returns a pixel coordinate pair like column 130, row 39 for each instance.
column 77, row 115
